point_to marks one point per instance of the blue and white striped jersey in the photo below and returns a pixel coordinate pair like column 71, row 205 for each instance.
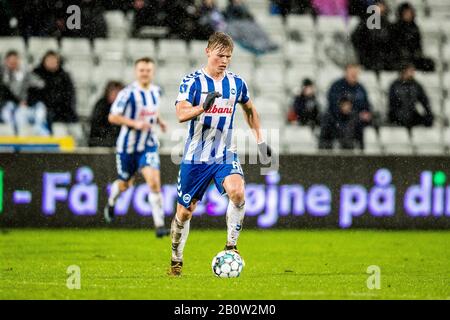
column 137, row 103
column 209, row 137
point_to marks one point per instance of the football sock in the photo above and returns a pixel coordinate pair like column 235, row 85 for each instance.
column 235, row 218
column 179, row 232
column 155, row 199
column 114, row 193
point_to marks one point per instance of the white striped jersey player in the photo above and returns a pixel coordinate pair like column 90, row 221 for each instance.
column 209, row 136
column 137, row 103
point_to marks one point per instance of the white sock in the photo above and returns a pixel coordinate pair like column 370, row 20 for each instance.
column 114, row 193
column 179, row 232
column 235, row 218
column 155, row 199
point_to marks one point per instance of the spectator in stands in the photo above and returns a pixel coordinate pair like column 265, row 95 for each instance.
column 342, row 127
column 210, row 16
column 330, row 8
column 350, row 87
column 58, row 92
column 103, row 134
column 285, row 7
column 373, row 46
column 237, row 10
column 359, row 7
column 17, row 109
column 306, row 106
column 404, row 94
column 407, row 41
column 148, row 13
column 245, row 30
column 36, row 18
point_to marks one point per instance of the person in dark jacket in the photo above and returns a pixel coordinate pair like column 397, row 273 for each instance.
column 58, row 93
column 236, row 9
column 341, row 127
column 373, row 46
column 404, row 94
column 407, row 40
column 350, row 87
column 306, row 106
column 103, row 134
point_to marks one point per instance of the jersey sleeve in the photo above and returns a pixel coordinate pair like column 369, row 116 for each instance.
column 245, row 96
column 187, row 90
column 119, row 105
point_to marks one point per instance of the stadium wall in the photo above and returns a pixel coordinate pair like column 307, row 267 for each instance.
column 308, row 191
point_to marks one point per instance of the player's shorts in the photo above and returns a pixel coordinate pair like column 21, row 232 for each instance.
column 194, row 179
column 129, row 163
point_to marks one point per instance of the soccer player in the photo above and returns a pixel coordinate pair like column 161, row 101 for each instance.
column 207, row 99
column 136, row 110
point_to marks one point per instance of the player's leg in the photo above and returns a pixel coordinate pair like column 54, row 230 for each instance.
column 125, row 170
column 152, row 177
column 234, row 186
column 179, row 231
column 229, row 179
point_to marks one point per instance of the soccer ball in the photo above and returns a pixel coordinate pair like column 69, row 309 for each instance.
column 227, row 264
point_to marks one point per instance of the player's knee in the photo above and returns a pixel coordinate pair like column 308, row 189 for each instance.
column 236, row 195
column 184, row 214
column 123, row 185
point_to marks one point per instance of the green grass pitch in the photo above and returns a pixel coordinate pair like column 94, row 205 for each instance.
column 132, row 264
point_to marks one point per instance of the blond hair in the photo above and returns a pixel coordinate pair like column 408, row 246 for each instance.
column 221, row 41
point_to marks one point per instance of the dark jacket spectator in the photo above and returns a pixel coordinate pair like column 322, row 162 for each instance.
column 373, row 46
column 36, row 17
column 103, row 133
column 285, row 7
column 236, row 9
column 58, row 93
column 404, row 94
column 147, row 13
column 306, row 106
column 407, row 40
column 342, row 127
column 350, row 87
column 6, row 16
column 210, row 16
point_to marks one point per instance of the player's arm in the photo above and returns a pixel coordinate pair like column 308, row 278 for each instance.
column 252, row 118
column 186, row 111
column 161, row 122
column 120, row 120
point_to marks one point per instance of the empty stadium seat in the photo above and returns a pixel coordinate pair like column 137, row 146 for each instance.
column 329, row 25
column 12, row 43
column 37, row 47
column 371, row 141
column 297, row 139
column 395, row 140
column 172, row 50
column 427, row 140
column 109, row 49
column 6, row 130
column 76, row 49
column 276, row 24
column 301, row 23
column 386, row 79
column 300, row 52
column 138, row 48
column 117, row 24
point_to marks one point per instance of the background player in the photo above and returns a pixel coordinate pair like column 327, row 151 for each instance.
column 136, row 111
column 207, row 99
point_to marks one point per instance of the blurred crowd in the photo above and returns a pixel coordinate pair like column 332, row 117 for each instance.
column 45, row 95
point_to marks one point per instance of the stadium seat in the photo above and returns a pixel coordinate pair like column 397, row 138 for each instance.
column 268, row 79
column 138, row 48
column 76, row 48
column 329, row 25
column 395, row 140
column 371, row 141
column 197, row 52
column 386, row 79
column 109, row 49
column 84, row 109
column 297, row 73
column 431, row 82
column 79, row 70
column 172, row 51
column 326, row 76
column 298, row 139
column 12, row 43
column 117, row 24
column 446, row 138
column 300, row 52
column 273, row 25
column 301, row 23
column 106, row 71
column 172, row 74
column 427, row 140
column 242, row 55
column 37, row 47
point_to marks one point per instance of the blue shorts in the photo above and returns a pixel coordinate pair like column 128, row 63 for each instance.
column 194, row 179
column 129, row 163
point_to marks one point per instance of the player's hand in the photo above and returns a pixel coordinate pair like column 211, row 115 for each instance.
column 265, row 152
column 209, row 100
column 142, row 125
